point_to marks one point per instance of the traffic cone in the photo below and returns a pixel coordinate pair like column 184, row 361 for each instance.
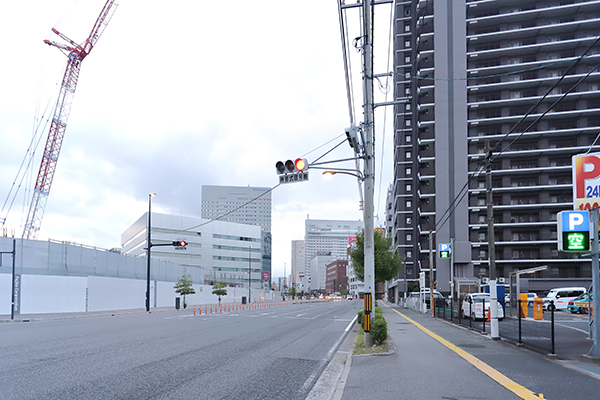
column 489, row 315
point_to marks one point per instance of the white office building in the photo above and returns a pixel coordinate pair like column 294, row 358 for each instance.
column 328, row 236
column 240, row 204
column 298, row 264
column 224, row 251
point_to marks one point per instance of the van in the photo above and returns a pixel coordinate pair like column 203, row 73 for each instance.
column 561, row 297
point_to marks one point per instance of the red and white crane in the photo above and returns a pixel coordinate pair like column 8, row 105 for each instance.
column 76, row 53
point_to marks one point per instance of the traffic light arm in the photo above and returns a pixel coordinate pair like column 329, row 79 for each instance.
column 354, row 172
column 312, row 165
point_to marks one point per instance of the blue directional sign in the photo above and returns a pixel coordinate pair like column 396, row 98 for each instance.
column 445, row 250
column 573, row 231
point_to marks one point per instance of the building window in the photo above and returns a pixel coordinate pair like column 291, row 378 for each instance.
column 408, row 187
column 408, row 170
column 409, row 237
column 408, row 154
column 408, row 203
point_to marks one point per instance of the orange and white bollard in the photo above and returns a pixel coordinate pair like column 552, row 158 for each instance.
column 194, row 310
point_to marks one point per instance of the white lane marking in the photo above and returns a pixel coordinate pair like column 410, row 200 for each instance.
column 313, row 376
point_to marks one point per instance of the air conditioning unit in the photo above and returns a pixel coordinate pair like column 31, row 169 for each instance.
column 485, row 281
column 502, row 280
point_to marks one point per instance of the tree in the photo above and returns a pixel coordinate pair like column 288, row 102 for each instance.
column 387, row 261
column 292, row 292
column 219, row 290
column 184, row 287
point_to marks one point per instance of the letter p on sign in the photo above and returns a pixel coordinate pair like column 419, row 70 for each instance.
column 575, row 220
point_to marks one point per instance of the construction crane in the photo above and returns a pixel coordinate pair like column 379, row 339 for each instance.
column 75, row 53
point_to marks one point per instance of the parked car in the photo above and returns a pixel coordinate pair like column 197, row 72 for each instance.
column 472, row 306
column 562, row 296
column 580, row 304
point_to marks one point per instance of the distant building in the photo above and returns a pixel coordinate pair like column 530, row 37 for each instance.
column 298, row 263
column 356, row 287
column 318, row 270
column 243, row 205
column 225, row 251
column 328, row 236
column 336, row 276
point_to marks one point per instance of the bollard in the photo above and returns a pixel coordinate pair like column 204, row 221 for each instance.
column 194, row 310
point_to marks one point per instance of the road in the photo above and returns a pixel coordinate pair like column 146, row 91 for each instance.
column 275, row 352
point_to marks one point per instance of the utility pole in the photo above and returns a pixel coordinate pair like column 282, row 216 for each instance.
column 595, row 328
column 491, row 247
column 431, row 298
column 369, row 161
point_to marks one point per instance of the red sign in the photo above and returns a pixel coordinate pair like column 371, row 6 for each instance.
column 266, row 276
column 586, row 181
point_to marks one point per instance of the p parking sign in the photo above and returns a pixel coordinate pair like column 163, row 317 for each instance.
column 445, row 250
column 573, row 231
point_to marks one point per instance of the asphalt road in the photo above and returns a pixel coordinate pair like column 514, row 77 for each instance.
column 276, row 352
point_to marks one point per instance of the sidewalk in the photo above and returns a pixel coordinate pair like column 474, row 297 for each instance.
column 77, row 315
column 433, row 359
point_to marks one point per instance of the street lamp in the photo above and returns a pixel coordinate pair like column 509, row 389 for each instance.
column 249, row 271
column 354, row 172
column 148, row 246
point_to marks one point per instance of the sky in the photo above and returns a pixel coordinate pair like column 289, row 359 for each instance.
column 180, row 94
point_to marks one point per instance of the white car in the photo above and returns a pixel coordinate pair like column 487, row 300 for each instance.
column 472, row 306
column 561, row 297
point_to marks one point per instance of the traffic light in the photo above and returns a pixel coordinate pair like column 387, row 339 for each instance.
column 290, row 167
column 179, row 243
column 352, row 135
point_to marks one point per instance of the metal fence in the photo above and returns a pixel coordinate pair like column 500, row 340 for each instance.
column 537, row 335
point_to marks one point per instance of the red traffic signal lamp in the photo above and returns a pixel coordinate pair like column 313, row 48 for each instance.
column 290, row 167
column 179, row 243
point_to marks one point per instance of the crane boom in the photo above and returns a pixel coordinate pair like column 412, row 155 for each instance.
column 76, row 53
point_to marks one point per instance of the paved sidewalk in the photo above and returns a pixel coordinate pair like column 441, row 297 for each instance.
column 433, row 359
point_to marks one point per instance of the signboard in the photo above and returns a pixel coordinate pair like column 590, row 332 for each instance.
column 586, row 181
column 265, row 276
column 573, row 231
column 445, row 250
column 294, row 177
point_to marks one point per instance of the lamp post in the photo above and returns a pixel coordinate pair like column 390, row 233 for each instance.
column 148, row 246
column 249, row 272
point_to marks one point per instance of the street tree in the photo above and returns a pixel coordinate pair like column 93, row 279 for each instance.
column 219, row 290
column 387, row 261
column 184, row 287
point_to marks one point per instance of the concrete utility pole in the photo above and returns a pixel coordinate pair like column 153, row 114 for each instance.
column 494, row 329
column 595, row 328
column 369, row 161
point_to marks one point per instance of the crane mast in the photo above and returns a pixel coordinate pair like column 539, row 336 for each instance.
column 76, row 53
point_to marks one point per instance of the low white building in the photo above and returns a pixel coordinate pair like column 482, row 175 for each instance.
column 224, row 251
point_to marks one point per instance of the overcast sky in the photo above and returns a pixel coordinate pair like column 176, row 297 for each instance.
column 181, row 94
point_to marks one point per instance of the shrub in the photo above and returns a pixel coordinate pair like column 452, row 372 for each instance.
column 379, row 330
column 361, row 317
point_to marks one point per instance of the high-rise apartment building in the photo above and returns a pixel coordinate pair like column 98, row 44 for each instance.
column 328, row 236
column 519, row 78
